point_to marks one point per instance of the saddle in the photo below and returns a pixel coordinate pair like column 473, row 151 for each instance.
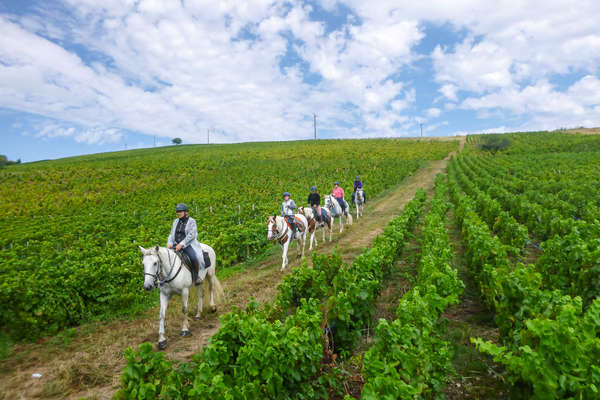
column 298, row 222
column 185, row 259
column 324, row 216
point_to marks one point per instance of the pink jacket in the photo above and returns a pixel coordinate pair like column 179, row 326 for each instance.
column 338, row 192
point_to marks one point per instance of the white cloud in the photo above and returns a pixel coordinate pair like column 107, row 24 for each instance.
column 94, row 135
column 449, row 91
column 434, row 112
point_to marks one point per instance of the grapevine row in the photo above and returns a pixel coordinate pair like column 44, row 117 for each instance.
column 549, row 345
column 410, row 359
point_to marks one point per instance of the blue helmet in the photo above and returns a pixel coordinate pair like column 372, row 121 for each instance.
column 356, row 177
column 181, row 207
column 286, row 194
column 336, row 183
column 313, row 189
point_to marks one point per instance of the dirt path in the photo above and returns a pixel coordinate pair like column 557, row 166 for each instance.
column 87, row 361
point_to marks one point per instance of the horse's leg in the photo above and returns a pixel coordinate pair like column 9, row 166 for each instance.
column 284, row 255
column 303, row 243
column 164, row 303
column 341, row 223
column 185, row 295
column 357, row 209
column 211, row 288
column 312, row 237
column 200, row 301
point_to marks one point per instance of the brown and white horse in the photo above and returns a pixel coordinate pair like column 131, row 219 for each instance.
column 278, row 229
column 313, row 225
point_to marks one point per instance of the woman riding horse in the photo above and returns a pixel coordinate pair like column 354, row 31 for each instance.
column 338, row 193
column 184, row 236
column 288, row 207
column 358, row 185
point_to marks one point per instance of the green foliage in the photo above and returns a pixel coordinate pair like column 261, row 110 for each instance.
column 71, row 227
column 557, row 357
column 410, row 359
column 177, row 140
column 5, row 161
column 549, row 345
column 494, row 143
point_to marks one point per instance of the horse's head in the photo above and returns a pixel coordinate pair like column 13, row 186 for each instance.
column 328, row 203
column 271, row 228
column 151, row 263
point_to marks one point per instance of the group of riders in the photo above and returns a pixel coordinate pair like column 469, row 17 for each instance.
column 184, row 232
column 288, row 206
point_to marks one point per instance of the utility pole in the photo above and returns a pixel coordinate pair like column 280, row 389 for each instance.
column 421, row 129
column 207, row 136
column 315, row 125
column 154, row 140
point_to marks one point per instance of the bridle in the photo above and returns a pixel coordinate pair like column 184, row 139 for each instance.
column 158, row 282
column 275, row 230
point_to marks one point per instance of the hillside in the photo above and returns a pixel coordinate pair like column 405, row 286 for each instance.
column 72, row 226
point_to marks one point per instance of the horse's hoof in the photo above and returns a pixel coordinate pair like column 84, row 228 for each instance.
column 162, row 345
column 213, row 309
column 196, row 319
column 185, row 333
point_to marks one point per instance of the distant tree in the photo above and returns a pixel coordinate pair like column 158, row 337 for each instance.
column 495, row 143
column 177, row 141
column 5, row 161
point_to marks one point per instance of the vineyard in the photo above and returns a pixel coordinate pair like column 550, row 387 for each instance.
column 68, row 253
column 529, row 237
column 485, row 285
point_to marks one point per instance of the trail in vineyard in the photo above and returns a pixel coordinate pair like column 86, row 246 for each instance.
column 89, row 363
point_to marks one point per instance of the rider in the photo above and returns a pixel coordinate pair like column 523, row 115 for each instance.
column 314, row 199
column 338, row 193
column 183, row 236
column 287, row 211
column 357, row 185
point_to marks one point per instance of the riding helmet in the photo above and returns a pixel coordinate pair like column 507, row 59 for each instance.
column 286, row 194
column 313, row 189
column 181, row 207
column 336, row 183
column 356, row 177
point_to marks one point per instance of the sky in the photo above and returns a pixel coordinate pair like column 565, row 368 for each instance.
column 87, row 76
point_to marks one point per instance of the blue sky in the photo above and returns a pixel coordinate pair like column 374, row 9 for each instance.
column 82, row 76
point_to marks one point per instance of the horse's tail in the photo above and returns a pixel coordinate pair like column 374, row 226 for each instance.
column 217, row 289
column 349, row 217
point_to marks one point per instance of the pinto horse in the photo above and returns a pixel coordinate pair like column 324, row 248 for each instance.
column 278, row 229
column 313, row 225
column 164, row 269
column 335, row 209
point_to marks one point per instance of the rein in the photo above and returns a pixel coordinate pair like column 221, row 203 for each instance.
column 275, row 230
column 158, row 273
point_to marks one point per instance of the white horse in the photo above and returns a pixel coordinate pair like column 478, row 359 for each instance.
column 359, row 202
column 163, row 269
column 335, row 210
column 278, row 229
column 313, row 225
